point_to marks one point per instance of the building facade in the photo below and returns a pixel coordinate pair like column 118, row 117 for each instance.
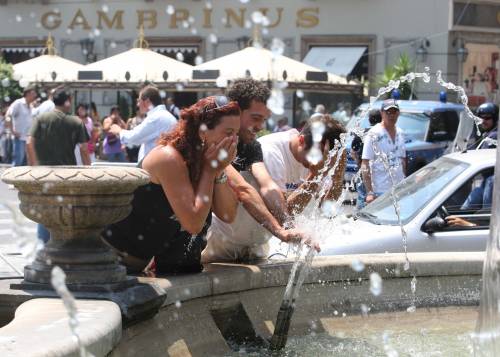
column 354, row 38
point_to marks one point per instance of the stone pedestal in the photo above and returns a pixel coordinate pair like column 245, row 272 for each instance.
column 75, row 204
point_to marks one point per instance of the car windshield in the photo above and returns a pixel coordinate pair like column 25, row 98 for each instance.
column 414, row 125
column 413, row 193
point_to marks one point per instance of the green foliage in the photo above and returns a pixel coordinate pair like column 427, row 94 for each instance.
column 12, row 90
column 403, row 66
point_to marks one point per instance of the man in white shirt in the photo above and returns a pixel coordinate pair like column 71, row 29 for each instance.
column 383, row 161
column 158, row 120
column 20, row 120
column 285, row 158
column 46, row 106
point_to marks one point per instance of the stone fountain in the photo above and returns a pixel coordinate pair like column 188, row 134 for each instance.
column 75, row 204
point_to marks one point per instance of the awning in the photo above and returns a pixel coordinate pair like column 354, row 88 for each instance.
column 21, row 49
column 174, row 49
column 337, row 60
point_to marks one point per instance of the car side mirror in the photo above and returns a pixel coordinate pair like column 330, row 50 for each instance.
column 434, row 224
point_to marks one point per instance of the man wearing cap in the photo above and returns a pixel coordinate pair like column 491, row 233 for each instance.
column 383, row 163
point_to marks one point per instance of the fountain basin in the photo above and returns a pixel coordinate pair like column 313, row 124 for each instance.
column 211, row 312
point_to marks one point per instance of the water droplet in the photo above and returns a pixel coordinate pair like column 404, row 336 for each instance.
column 375, row 284
column 194, row 31
column 97, row 32
column 69, row 31
column 221, row 82
column 6, row 99
column 357, row 265
column 306, row 106
column 314, row 156
column 257, row 17
column 179, row 87
column 407, row 265
column 364, row 310
column 170, row 10
column 179, row 56
column 277, row 46
column 19, row 18
column 212, row 38
column 105, row 8
column 244, row 1
column 23, row 82
column 317, row 130
column 411, row 309
column 163, row 94
column 222, row 155
column 300, row 93
column 248, row 24
column 185, row 24
column 59, row 198
column 206, row 199
column 276, row 102
column 32, row 15
column 208, row 4
column 178, row 304
column 203, row 127
column 5, row 82
column 198, row 60
column 214, row 164
column 335, row 312
column 414, row 285
column 140, row 237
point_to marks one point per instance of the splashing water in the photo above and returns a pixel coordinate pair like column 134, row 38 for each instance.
column 58, row 281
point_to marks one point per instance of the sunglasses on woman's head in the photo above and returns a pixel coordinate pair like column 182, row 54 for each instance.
column 220, row 102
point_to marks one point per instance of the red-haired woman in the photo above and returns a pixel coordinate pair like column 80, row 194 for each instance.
column 170, row 215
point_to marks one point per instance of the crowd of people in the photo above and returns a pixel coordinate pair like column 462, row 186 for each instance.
column 217, row 192
column 105, row 143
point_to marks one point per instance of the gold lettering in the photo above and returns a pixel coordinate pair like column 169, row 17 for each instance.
column 307, row 17
column 144, row 16
column 178, row 16
column 79, row 20
column 279, row 11
column 239, row 19
column 115, row 22
column 207, row 18
column 51, row 20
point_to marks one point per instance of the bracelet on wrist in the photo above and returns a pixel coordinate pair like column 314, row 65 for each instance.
column 221, row 179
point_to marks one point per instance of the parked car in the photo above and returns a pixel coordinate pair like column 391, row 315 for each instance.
column 425, row 199
column 430, row 129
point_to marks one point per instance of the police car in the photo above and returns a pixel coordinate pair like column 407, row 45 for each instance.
column 431, row 129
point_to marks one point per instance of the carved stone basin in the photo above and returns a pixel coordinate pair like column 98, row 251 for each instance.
column 75, row 204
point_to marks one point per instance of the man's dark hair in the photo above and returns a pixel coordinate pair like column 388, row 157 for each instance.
column 114, row 109
column 60, row 97
column 332, row 131
column 28, row 89
column 374, row 117
column 244, row 90
column 152, row 93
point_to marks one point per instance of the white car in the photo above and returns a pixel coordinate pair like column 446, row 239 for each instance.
column 425, row 199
